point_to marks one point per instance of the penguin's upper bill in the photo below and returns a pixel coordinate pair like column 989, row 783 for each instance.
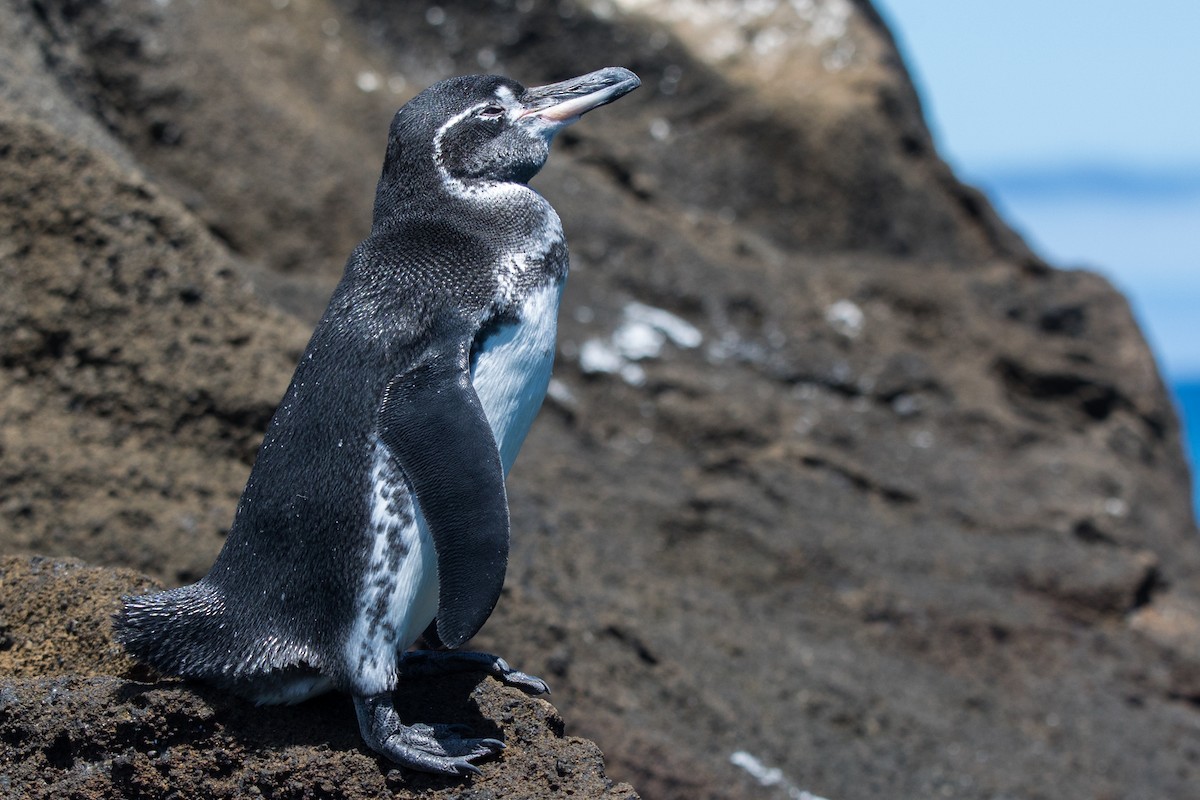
column 564, row 102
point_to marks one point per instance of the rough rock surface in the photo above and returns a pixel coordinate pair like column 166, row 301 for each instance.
column 882, row 501
column 79, row 719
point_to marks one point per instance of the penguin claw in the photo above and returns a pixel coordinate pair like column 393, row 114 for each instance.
column 428, row 662
column 437, row 749
column 530, row 684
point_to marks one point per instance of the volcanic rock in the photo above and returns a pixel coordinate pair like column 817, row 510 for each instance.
column 79, row 718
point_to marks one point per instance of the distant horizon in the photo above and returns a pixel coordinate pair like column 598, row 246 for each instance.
column 1091, row 178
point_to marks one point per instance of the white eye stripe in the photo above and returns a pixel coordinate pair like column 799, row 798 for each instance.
column 441, row 134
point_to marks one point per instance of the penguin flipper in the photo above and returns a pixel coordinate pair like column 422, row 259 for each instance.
column 433, row 423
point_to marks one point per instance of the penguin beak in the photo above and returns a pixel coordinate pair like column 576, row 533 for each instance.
column 562, row 103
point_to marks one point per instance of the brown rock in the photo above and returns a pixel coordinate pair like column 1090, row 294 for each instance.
column 79, row 719
column 137, row 362
column 56, row 617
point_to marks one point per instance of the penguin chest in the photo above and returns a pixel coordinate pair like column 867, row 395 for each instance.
column 511, row 369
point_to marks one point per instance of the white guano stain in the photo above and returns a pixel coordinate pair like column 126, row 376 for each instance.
column 643, row 333
column 769, row 776
column 846, row 318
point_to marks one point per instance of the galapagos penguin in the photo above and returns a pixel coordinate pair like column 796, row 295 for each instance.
column 376, row 508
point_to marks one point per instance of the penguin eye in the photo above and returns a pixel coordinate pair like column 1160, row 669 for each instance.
column 491, row 112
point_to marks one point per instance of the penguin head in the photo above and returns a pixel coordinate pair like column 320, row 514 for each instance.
column 487, row 128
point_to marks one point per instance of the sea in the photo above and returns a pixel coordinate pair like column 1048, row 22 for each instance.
column 1187, row 400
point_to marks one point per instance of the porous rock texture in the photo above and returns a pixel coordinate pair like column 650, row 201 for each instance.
column 79, row 719
column 883, row 506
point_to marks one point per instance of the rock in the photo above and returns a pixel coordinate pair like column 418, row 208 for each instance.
column 912, row 517
column 80, row 719
column 137, row 362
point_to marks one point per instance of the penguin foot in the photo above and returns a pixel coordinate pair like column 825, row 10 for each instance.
column 439, row 749
column 433, row 662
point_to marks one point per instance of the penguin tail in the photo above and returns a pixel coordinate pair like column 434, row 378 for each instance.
column 178, row 632
column 192, row 633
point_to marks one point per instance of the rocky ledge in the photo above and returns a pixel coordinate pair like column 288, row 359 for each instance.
column 78, row 719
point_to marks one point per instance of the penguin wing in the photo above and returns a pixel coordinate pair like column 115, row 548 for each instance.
column 432, row 421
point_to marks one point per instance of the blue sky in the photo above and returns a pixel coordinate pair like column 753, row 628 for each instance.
column 1082, row 122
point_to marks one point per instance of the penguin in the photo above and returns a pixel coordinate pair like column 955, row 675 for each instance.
column 375, row 513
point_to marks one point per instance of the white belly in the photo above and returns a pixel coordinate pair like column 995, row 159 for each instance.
column 512, row 371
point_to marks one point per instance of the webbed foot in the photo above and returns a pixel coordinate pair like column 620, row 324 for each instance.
column 438, row 749
column 433, row 662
